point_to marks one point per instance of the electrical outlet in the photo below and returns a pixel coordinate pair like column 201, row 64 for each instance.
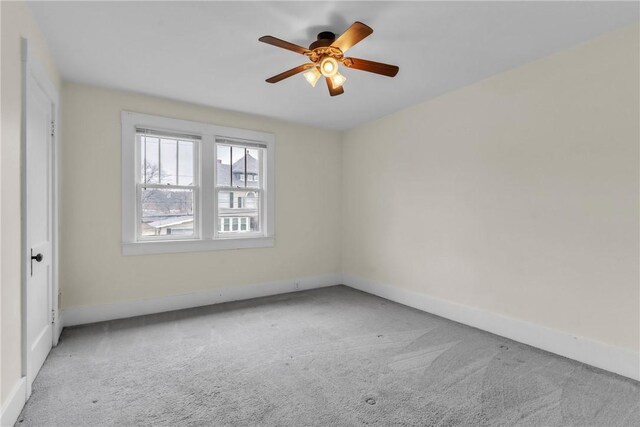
column 297, row 285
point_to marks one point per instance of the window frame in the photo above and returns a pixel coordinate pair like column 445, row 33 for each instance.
column 205, row 236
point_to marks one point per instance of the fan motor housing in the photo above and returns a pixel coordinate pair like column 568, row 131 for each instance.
column 325, row 39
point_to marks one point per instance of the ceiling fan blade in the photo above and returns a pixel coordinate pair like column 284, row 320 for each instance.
column 354, row 34
column 332, row 91
column 289, row 73
column 371, row 66
column 283, row 44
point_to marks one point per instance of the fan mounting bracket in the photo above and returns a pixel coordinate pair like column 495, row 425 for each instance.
column 325, row 39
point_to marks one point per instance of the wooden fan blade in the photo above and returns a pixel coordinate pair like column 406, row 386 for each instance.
column 371, row 66
column 354, row 34
column 332, row 91
column 289, row 73
column 283, row 44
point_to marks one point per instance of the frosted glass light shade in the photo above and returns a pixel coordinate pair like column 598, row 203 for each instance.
column 312, row 76
column 328, row 66
column 338, row 80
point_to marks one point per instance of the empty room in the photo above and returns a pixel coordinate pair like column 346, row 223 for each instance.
column 337, row 213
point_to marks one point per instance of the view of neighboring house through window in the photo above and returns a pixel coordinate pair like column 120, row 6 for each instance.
column 167, row 190
column 238, row 187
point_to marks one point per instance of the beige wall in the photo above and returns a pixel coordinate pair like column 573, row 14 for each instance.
column 17, row 22
column 517, row 195
column 92, row 269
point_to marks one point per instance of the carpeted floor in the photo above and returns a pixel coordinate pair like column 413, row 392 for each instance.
column 326, row 357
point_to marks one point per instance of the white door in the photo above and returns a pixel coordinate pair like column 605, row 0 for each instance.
column 38, row 227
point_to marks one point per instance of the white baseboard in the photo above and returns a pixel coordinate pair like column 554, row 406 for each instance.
column 121, row 310
column 614, row 359
column 14, row 403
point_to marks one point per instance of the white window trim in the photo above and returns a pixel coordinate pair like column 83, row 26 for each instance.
column 207, row 202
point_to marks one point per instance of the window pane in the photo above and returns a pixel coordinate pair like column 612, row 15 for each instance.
column 185, row 163
column 241, row 209
column 168, row 158
column 237, row 168
column 253, row 167
column 149, row 154
column 166, row 212
column 231, row 164
column 224, row 165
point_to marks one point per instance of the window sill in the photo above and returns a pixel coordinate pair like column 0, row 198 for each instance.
column 175, row 246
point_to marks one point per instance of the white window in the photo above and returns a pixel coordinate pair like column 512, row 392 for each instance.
column 168, row 184
column 189, row 186
column 235, row 162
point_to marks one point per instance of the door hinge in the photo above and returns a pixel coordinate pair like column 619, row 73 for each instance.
column 53, row 316
column 53, row 128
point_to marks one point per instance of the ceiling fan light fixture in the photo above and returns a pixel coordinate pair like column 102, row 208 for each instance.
column 326, row 53
column 338, row 80
column 312, row 76
column 328, row 66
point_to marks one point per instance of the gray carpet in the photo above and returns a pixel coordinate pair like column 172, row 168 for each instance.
column 326, row 357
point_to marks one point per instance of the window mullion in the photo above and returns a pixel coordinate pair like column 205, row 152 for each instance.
column 144, row 163
column 178, row 162
column 248, row 189
column 230, row 165
column 159, row 161
column 262, row 203
column 167, row 186
column 208, row 197
column 138, row 209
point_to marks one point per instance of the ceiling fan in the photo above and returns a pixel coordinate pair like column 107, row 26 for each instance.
column 326, row 53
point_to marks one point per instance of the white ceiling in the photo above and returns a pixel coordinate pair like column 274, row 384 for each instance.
column 208, row 52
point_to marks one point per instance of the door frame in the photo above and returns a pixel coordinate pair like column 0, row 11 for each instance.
column 32, row 67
